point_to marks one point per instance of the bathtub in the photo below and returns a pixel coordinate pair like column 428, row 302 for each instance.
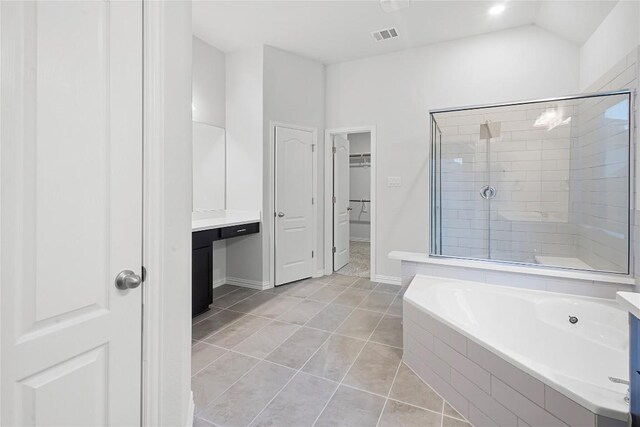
column 476, row 340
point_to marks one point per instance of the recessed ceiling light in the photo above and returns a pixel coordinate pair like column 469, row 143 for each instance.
column 394, row 5
column 497, row 9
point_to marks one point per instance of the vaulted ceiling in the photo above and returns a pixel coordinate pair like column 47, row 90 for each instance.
column 336, row 31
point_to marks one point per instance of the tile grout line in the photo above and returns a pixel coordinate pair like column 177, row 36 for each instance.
column 331, row 333
column 268, row 361
column 301, row 367
column 346, row 372
column 389, row 393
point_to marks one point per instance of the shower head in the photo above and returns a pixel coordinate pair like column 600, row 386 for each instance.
column 490, row 130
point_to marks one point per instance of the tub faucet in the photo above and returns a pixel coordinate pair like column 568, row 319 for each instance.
column 621, row 381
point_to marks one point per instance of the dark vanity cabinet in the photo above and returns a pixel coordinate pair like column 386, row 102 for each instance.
column 202, row 262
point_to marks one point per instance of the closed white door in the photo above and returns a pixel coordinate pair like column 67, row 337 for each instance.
column 340, row 202
column 293, row 205
column 71, row 209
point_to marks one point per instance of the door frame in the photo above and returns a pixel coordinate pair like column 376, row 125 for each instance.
column 269, row 215
column 328, row 194
column 166, row 340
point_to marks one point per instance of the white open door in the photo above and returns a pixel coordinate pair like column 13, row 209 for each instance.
column 293, row 205
column 340, row 202
column 71, row 209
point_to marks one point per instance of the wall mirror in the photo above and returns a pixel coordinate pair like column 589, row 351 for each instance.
column 209, row 167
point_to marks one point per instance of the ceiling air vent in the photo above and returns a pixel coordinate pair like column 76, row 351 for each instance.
column 387, row 33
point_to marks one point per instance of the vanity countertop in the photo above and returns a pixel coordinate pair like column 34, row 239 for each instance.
column 630, row 301
column 207, row 220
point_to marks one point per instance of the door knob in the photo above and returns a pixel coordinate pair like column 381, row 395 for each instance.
column 127, row 279
column 280, row 214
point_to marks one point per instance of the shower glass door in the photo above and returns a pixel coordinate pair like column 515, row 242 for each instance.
column 538, row 183
column 459, row 165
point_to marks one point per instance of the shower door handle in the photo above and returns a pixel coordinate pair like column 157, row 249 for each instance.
column 488, row 192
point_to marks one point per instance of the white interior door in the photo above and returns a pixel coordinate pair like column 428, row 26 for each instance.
column 340, row 202
column 71, row 209
column 293, row 205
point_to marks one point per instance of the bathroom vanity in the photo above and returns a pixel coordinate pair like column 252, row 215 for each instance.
column 206, row 228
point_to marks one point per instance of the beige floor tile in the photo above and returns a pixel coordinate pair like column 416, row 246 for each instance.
column 351, row 408
column 199, row 422
column 301, row 289
column 225, row 289
column 377, row 301
column 213, row 380
column 298, row 348
column 326, row 293
column 351, row 297
column 388, row 287
column 409, row 388
column 238, row 331
column 246, row 398
column 364, row 284
column 203, row 354
column 232, row 298
column 208, row 313
column 268, row 339
column 360, row 324
column 389, row 331
column 276, row 306
column 374, row 368
column 395, row 308
column 254, row 303
column 454, row 422
column 213, row 324
column 330, row 317
column 400, row 414
column 302, row 312
column 340, row 280
column 334, row 358
column 450, row 412
column 298, row 404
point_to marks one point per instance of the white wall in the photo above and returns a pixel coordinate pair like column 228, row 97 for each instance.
column 360, row 187
column 294, row 93
column 612, row 41
column 208, row 84
column 395, row 92
column 244, row 119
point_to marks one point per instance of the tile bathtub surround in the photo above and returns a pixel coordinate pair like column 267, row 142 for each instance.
column 318, row 362
column 480, row 385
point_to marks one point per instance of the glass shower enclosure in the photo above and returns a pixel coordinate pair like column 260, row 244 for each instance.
column 544, row 182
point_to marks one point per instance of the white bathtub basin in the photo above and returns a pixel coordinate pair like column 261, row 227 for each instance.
column 531, row 330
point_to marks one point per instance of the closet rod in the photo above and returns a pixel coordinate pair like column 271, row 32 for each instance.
column 360, row 155
column 360, row 200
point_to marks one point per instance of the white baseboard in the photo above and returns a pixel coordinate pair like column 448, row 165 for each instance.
column 392, row 280
column 220, row 282
column 360, row 239
column 319, row 273
column 253, row 284
column 190, row 412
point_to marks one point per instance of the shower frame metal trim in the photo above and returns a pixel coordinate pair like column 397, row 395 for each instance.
column 632, row 97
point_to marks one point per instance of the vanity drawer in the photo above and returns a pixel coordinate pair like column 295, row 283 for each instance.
column 204, row 238
column 239, row 230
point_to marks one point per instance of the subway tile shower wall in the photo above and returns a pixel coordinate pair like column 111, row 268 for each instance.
column 598, row 192
column 530, row 168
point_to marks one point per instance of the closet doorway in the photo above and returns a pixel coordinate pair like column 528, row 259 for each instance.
column 350, row 185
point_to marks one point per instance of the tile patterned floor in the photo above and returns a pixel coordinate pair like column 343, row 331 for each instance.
column 319, row 352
